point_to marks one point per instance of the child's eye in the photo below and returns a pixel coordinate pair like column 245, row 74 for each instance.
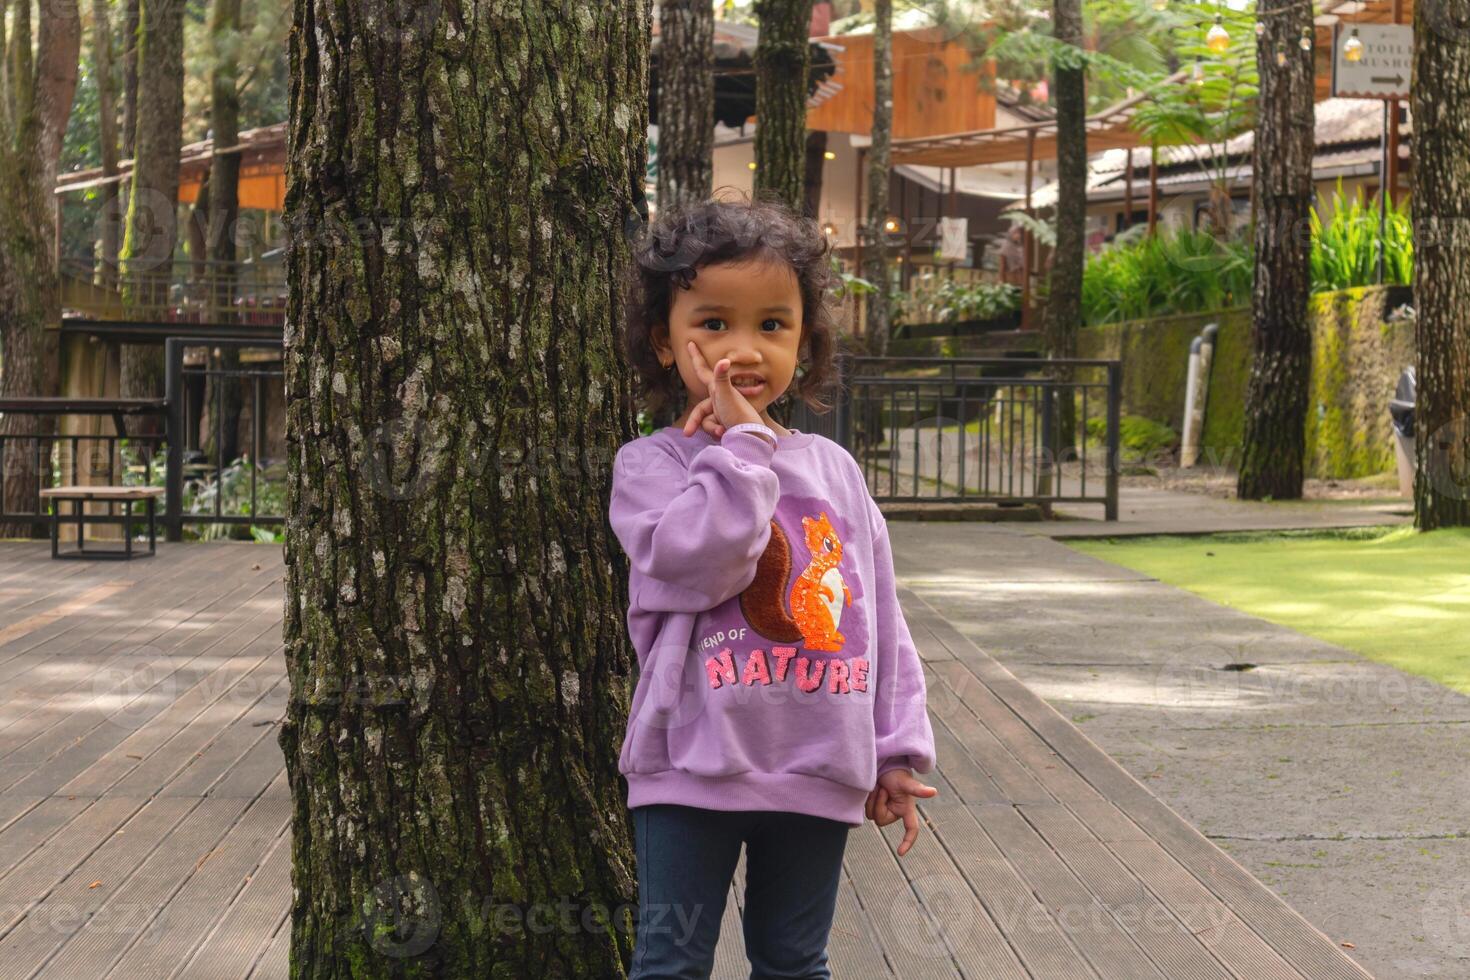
column 776, row 322
column 712, row 320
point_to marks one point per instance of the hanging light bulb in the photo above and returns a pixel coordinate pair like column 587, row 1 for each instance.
column 1352, row 48
column 1218, row 39
column 1306, row 42
column 1161, row 4
column 1281, row 59
column 1198, row 74
column 829, row 229
column 1260, row 28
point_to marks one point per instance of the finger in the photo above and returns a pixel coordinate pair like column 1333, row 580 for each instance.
column 915, row 788
column 701, row 366
column 696, row 417
column 869, row 803
column 910, row 832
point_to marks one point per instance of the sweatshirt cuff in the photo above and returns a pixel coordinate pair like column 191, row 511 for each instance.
column 896, row 762
column 749, row 447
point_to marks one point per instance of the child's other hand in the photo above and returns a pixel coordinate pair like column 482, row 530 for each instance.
column 895, row 797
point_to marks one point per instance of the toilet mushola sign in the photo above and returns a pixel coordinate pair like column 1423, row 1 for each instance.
column 1384, row 69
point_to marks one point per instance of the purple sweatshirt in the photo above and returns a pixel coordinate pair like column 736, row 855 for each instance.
column 776, row 669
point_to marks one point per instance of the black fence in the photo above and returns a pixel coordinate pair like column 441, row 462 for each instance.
column 178, row 442
column 976, row 429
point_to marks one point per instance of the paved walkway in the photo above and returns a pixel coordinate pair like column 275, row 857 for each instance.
column 1340, row 783
column 1153, row 510
column 144, row 810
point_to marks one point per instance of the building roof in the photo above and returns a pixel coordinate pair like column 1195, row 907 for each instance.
column 1348, row 133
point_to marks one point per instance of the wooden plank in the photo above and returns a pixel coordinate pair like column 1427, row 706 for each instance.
column 102, row 492
column 197, row 907
column 246, row 649
column 911, row 939
column 245, row 929
column 44, row 920
column 243, row 758
column 92, row 952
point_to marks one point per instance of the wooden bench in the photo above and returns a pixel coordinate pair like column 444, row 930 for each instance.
column 79, row 495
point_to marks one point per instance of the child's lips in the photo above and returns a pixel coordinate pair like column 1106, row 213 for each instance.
column 749, row 387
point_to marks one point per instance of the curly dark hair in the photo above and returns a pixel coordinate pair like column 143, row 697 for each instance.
column 682, row 240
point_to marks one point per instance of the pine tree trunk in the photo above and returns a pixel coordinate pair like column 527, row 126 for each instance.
column 107, row 134
column 1064, row 299
column 224, row 208
column 1273, row 454
column 782, row 82
column 38, row 97
column 686, row 102
column 874, row 240
column 459, row 187
column 1441, row 214
column 151, row 228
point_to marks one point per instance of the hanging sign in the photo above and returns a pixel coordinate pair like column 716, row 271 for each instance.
column 1385, row 62
column 953, row 239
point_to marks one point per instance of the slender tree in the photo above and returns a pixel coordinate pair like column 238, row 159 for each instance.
column 782, row 84
column 102, row 42
column 1440, row 98
column 151, row 228
column 460, row 181
column 874, row 238
column 686, row 102
column 1273, row 455
column 1064, row 298
column 40, row 81
column 224, row 206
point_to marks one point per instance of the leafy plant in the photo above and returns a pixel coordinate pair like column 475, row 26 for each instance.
column 1345, row 249
column 1178, row 271
column 935, row 300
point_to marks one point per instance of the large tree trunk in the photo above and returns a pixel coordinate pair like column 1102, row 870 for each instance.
column 874, row 240
column 151, row 229
column 224, row 209
column 1273, row 455
column 686, row 102
column 129, row 135
column 37, row 98
column 107, row 125
column 459, row 189
column 782, row 81
column 1441, row 213
column 1064, row 298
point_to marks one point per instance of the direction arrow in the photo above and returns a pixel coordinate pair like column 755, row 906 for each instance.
column 1395, row 80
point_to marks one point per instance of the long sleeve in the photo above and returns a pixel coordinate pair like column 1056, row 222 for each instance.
column 904, row 737
column 694, row 535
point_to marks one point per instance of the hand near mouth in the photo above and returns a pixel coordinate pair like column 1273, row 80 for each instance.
column 725, row 405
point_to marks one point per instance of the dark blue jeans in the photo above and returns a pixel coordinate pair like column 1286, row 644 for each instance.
column 686, row 861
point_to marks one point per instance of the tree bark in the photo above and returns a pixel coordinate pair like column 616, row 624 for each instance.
column 1064, row 297
column 783, row 74
column 107, row 128
column 151, row 228
column 1274, row 450
column 459, row 187
column 874, row 240
column 38, row 97
column 224, row 207
column 1441, row 214
column 816, row 162
column 131, row 19
column 686, row 102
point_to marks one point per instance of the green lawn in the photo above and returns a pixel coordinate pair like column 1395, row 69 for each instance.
column 1391, row 594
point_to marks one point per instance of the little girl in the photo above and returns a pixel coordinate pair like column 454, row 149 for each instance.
column 780, row 699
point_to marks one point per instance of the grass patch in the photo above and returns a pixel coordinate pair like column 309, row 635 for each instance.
column 1393, row 594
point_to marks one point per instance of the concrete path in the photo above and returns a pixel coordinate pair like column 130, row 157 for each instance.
column 1340, row 783
column 1152, row 510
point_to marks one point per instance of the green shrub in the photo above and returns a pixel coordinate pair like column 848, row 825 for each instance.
column 1345, row 250
column 1139, row 438
column 1175, row 271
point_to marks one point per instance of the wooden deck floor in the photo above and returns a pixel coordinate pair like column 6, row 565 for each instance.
column 144, row 811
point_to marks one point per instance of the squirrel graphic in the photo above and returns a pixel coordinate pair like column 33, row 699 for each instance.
column 816, row 598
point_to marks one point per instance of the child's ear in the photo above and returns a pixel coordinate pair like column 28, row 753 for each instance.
column 659, row 337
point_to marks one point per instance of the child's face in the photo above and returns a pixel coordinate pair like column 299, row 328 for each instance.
column 750, row 313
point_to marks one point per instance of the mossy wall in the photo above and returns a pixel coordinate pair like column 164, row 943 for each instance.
column 1356, row 359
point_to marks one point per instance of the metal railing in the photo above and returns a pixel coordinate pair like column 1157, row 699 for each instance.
column 976, row 429
column 185, row 384
column 180, row 291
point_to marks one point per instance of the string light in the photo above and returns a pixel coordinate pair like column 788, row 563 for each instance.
column 1306, row 42
column 829, row 229
column 891, row 225
column 828, row 154
column 1281, row 59
column 1198, row 74
column 1161, row 4
column 751, row 165
column 1260, row 28
column 1352, row 48
column 1218, row 39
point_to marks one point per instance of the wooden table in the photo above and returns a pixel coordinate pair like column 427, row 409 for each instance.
column 78, row 495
